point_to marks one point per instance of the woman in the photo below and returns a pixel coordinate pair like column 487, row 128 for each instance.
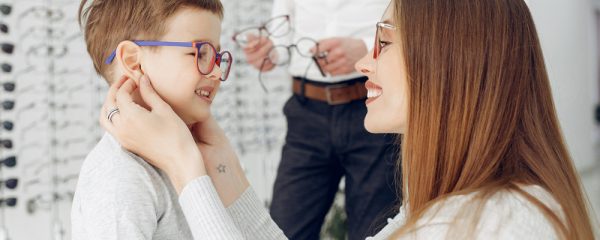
column 463, row 81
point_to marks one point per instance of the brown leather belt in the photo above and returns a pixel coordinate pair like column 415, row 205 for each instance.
column 332, row 94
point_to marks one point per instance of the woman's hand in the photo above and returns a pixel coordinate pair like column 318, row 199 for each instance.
column 220, row 160
column 156, row 134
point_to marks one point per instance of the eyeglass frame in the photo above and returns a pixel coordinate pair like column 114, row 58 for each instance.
column 11, row 183
column 196, row 45
column 289, row 47
column 5, row 9
column 7, row 48
column 4, row 28
column 9, row 162
column 261, row 28
column 376, row 47
column 9, row 86
column 45, row 13
column 7, row 105
column 6, row 143
column 10, row 202
column 6, row 67
column 7, row 125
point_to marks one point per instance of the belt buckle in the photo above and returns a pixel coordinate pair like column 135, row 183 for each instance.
column 328, row 94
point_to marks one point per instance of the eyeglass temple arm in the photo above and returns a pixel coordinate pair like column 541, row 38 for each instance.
column 262, row 84
column 112, row 56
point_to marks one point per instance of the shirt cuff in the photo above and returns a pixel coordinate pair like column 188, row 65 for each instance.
column 205, row 213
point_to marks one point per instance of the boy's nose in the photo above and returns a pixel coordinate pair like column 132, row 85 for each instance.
column 216, row 73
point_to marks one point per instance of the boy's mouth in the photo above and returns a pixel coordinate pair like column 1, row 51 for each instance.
column 205, row 93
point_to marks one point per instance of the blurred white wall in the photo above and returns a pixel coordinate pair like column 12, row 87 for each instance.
column 567, row 31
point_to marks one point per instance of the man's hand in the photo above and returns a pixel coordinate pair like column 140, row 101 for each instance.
column 257, row 52
column 342, row 54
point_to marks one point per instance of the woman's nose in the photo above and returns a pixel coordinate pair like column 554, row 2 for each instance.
column 365, row 64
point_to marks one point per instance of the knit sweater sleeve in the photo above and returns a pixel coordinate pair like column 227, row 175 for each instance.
column 252, row 218
column 209, row 219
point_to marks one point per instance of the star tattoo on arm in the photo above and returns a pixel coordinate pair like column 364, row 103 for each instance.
column 221, row 168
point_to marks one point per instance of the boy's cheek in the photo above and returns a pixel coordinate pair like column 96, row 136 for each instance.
column 217, row 88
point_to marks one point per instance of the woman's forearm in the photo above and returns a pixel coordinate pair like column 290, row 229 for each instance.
column 184, row 165
column 228, row 177
column 220, row 161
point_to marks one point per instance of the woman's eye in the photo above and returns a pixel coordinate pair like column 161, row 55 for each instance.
column 192, row 54
column 383, row 44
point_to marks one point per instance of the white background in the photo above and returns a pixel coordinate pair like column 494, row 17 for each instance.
column 58, row 100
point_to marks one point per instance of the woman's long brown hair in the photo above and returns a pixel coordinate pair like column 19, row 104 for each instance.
column 481, row 117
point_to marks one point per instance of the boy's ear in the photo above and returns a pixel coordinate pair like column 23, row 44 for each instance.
column 128, row 57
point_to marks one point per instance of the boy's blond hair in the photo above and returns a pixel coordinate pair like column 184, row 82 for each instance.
column 106, row 23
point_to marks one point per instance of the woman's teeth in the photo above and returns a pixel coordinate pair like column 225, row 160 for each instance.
column 372, row 93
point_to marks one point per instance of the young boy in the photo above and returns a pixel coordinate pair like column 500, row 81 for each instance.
column 176, row 44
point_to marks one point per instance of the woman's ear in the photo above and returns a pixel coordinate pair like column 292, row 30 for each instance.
column 128, row 58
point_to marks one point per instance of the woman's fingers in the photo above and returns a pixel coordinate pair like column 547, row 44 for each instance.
column 161, row 137
column 116, row 85
column 109, row 104
column 149, row 95
column 106, row 123
column 125, row 98
column 110, row 100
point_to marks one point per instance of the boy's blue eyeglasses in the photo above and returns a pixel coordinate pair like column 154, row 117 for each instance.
column 206, row 55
